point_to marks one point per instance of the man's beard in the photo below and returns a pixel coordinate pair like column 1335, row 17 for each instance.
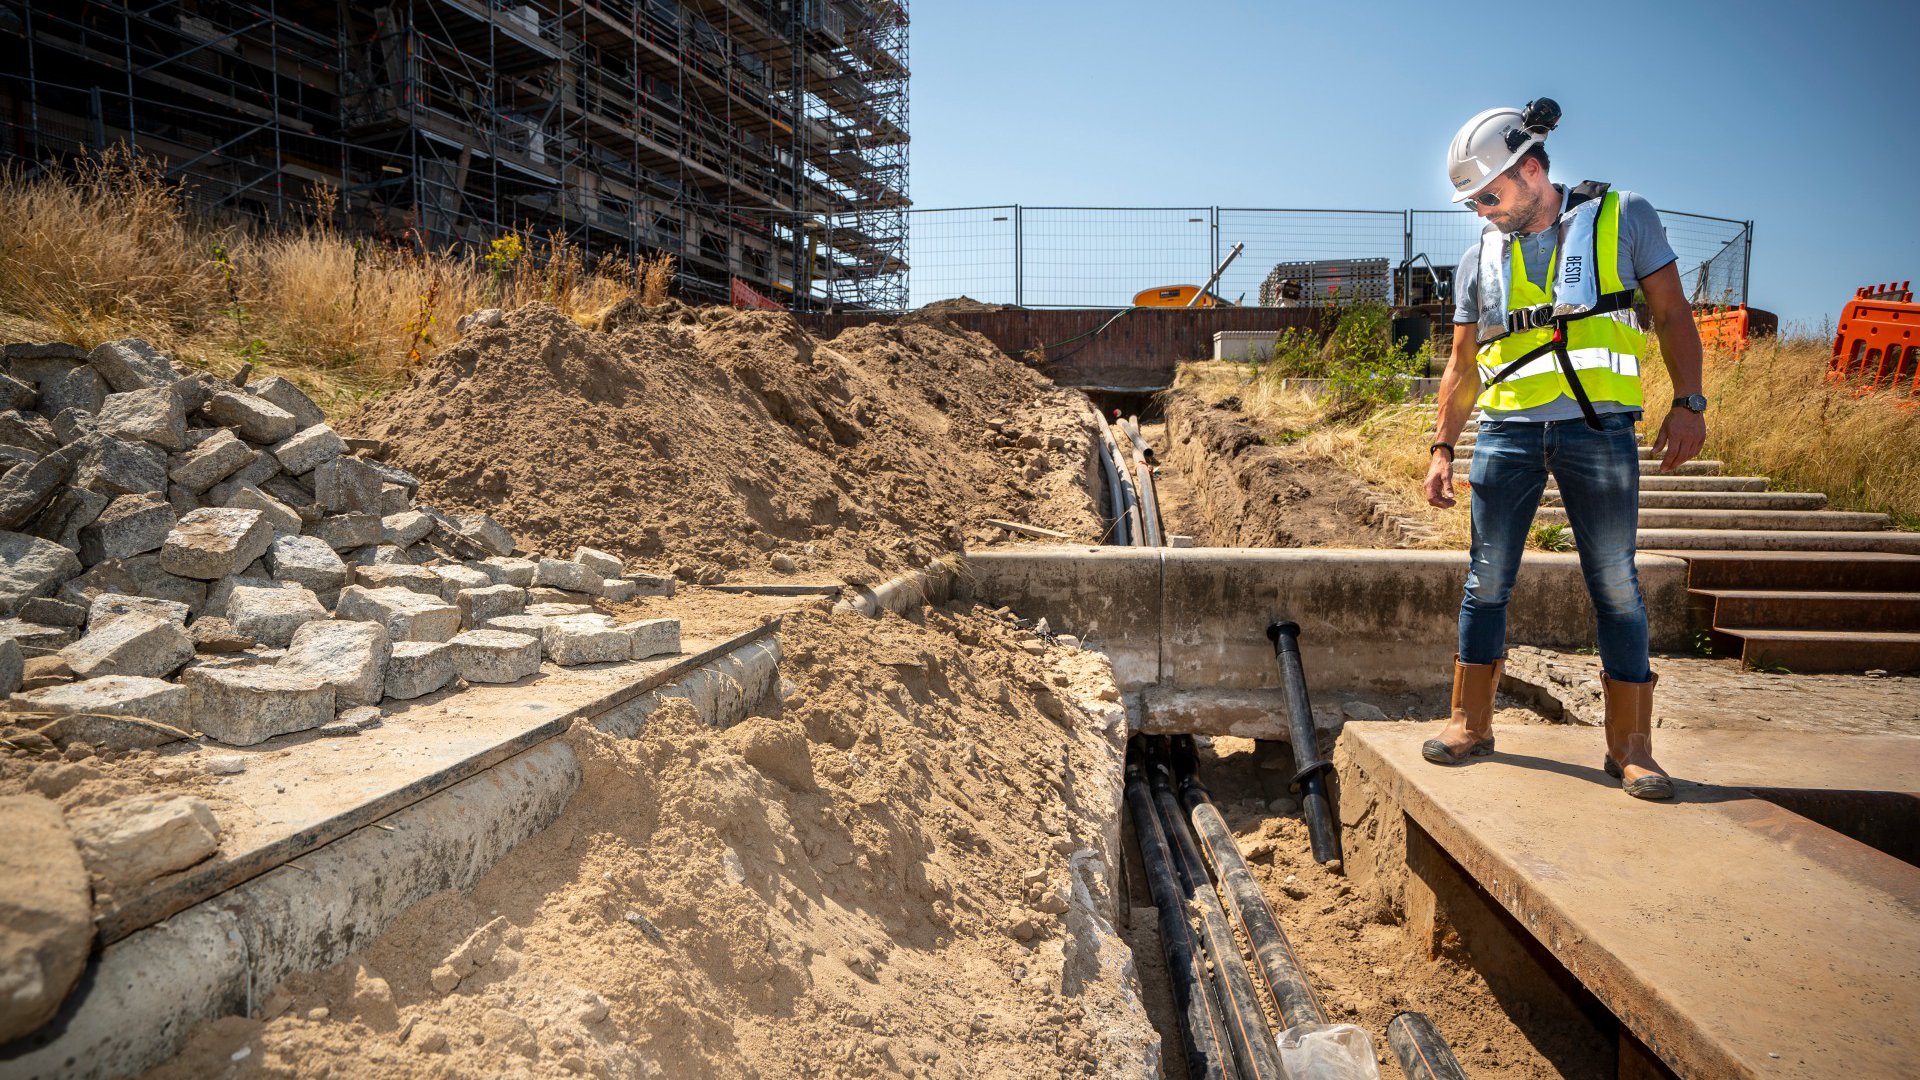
column 1526, row 207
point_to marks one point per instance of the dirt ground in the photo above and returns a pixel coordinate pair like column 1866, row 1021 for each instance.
column 726, row 445
column 871, row 877
column 1223, row 484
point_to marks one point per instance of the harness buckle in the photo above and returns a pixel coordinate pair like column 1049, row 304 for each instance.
column 1537, row 317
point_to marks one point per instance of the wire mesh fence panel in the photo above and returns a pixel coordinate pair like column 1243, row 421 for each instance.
column 1442, row 235
column 970, row 251
column 1100, row 257
column 1713, row 256
column 1290, row 236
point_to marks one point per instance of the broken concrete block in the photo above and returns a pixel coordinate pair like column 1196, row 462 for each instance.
column 599, row 562
column 306, row 450
column 27, row 431
column 283, row 518
column 158, row 416
column 507, row 571
column 132, row 364
column 216, row 542
column 547, row 609
column 255, row 418
column 30, row 567
column 214, row 635
column 570, row 640
column 212, row 461
column 109, row 606
column 133, row 841
column 345, row 532
column 393, row 474
column 653, row 585
column 117, row 466
column 27, row 487
column 479, row 319
column 488, row 532
column 79, row 388
column 418, row 668
column 259, row 469
column 150, row 578
column 272, row 615
column 379, row 555
column 403, row 576
column 346, row 485
column 241, row 706
column 130, row 525
column 133, row 644
column 289, row 397
column 15, row 394
column 46, row 914
column 287, row 491
column 13, row 666
column 47, row 611
column 350, row 656
column 495, row 656
column 618, row 590
column 40, row 672
column 530, row 625
column 456, row 579
column 70, row 510
column 395, row 499
column 653, row 637
column 72, row 425
column 114, row 695
column 407, row 615
column 405, row 529
column 558, row 574
column 184, row 502
column 477, row 606
column 308, row 561
column 219, row 592
column 35, row 639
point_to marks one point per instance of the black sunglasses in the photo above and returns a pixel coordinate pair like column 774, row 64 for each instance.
column 1485, row 199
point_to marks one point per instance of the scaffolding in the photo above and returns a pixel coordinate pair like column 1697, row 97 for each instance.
column 758, row 140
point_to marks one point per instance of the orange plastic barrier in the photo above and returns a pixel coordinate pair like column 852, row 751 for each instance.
column 1732, row 327
column 746, row 296
column 1879, row 338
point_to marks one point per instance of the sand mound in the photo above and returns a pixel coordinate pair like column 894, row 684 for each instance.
column 873, row 878
column 716, row 441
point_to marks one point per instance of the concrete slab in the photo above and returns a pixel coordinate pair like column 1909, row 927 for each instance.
column 1808, row 520
column 1734, row 938
column 284, row 805
column 1682, row 540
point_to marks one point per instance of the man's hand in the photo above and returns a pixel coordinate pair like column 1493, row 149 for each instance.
column 1682, row 434
column 1440, row 481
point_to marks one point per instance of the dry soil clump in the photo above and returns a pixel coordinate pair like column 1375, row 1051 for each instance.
column 732, row 445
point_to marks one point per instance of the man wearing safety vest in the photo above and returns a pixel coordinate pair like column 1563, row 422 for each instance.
column 1546, row 341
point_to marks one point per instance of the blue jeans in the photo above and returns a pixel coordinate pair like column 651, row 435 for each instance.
column 1599, row 475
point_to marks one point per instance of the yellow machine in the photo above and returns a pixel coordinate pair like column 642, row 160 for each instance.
column 1189, row 296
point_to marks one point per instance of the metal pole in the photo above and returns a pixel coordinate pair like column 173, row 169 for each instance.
column 273, row 73
column 1019, row 256
column 133, row 129
column 33, row 84
column 1309, row 767
column 1746, row 269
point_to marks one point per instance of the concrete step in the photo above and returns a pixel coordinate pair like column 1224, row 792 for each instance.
column 1804, row 609
column 1826, row 571
column 1684, row 542
column 1697, row 467
column 1463, row 451
column 1660, row 482
column 1719, row 500
column 1823, row 520
column 1809, row 651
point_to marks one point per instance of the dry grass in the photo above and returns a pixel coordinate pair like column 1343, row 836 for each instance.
column 112, row 252
column 1774, row 413
column 1387, row 448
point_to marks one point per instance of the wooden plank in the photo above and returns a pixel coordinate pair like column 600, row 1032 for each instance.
column 288, row 804
column 1029, row 530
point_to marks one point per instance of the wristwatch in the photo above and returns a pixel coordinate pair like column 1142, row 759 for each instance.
column 1694, row 402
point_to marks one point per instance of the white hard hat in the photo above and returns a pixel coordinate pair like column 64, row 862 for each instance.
column 1492, row 141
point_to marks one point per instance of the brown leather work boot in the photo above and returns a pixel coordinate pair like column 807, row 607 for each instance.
column 1630, row 739
column 1470, row 732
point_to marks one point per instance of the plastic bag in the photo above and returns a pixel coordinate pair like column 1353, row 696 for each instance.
column 1327, row 1052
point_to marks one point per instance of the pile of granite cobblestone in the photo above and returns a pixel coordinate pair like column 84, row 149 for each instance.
column 211, row 555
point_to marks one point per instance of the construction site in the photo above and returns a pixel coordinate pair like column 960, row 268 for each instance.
column 752, row 627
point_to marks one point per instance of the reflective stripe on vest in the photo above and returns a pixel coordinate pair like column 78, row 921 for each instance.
column 1605, row 349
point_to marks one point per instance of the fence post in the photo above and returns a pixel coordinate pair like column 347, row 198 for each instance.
column 1746, row 267
column 1019, row 256
column 1213, row 216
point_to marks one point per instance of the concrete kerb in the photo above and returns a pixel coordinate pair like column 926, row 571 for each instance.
column 934, row 584
column 141, row 997
column 1373, row 621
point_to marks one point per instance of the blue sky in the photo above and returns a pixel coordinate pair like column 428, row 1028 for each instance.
column 1801, row 118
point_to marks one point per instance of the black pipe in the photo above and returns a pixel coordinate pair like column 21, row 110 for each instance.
column 1422, row 1053
column 1310, row 768
column 1293, row 998
column 1201, row 1030
column 1253, row 1043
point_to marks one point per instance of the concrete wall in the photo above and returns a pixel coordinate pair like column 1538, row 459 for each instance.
column 1380, row 621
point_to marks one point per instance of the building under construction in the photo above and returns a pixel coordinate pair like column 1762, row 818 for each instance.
column 758, row 140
